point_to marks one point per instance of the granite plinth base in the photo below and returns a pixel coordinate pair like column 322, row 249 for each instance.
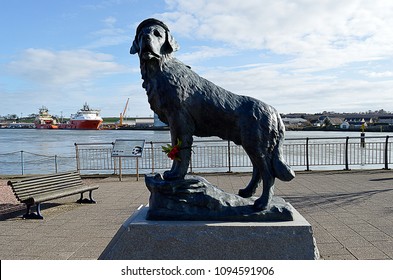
column 141, row 239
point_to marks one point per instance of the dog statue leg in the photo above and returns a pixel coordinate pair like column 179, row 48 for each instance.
column 251, row 150
column 252, row 186
column 180, row 167
column 268, row 178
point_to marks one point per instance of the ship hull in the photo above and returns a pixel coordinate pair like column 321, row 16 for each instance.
column 82, row 124
column 46, row 126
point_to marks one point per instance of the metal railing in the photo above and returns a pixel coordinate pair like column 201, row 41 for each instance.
column 339, row 151
column 223, row 156
column 208, row 156
column 23, row 162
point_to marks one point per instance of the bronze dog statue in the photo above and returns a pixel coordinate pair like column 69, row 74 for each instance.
column 192, row 105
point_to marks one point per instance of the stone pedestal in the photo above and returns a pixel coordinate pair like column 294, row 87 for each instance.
column 141, row 239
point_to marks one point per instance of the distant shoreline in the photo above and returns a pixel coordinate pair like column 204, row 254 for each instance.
column 368, row 129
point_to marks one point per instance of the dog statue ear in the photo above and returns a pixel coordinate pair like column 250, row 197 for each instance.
column 134, row 48
column 170, row 45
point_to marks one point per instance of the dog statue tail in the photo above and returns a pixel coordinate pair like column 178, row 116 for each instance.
column 281, row 169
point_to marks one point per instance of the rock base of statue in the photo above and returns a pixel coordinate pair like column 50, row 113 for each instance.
column 142, row 239
column 195, row 199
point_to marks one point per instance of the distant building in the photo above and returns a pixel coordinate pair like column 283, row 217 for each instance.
column 130, row 122
column 295, row 122
column 326, row 121
column 345, row 125
column 336, row 122
column 144, row 122
column 158, row 122
column 355, row 124
column 359, row 119
column 386, row 120
column 359, row 122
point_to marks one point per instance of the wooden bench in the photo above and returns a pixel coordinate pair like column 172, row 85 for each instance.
column 35, row 190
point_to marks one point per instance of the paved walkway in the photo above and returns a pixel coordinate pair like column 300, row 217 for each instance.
column 351, row 214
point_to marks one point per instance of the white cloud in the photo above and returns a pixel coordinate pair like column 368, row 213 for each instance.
column 385, row 74
column 331, row 32
column 109, row 35
column 110, row 21
column 54, row 68
column 302, row 92
column 185, row 24
column 315, row 50
column 109, row 39
column 205, row 52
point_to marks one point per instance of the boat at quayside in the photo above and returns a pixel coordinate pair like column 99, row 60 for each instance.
column 44, row 120
column 85, row 118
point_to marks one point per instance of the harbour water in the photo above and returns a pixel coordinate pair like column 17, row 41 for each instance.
column 62, row 142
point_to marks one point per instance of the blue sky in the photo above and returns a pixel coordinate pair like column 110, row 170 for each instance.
column 299, row 56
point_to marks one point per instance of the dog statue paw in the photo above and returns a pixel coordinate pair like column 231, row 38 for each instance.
column 170, row 175
column 246, row 193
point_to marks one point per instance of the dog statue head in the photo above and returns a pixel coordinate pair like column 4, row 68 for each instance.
column 153, row 40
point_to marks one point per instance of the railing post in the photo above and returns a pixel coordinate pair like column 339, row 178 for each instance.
column 114, row 165
column 120, row 174
column 307, row 156
column 346, row 153
column 386, row 156
column 55, row 163
column 229, row 157
column 137, row 168
column 22, row 162
column 114, row 160
column 152, row 156
column 77, row 157
column 363, row 140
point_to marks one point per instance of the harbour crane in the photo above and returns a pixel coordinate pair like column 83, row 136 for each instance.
column 124, row 113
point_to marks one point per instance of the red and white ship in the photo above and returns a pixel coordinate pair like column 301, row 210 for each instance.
column 85, row 118
column 44, row 120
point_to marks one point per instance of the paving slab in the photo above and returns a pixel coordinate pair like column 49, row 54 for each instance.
column 351, row 213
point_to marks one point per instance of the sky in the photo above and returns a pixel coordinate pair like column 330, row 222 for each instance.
column 300, row 56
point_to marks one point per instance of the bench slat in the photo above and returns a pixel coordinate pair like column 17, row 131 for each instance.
column 58, row 194
column 45, row 186
column 42, row 185
column 48, row 184
column 35, row 178
column 36, row 191
column 32, row 181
